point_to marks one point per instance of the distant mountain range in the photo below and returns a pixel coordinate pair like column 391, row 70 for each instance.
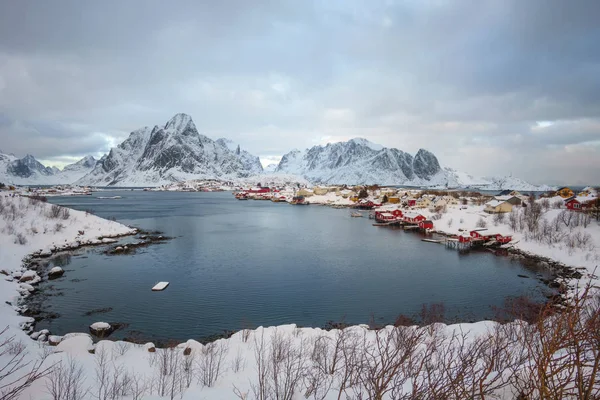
column 177, row 151
column 28, row 170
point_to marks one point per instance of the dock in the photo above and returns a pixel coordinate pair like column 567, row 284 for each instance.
column 160, row 286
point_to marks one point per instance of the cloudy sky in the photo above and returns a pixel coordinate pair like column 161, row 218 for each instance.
column 491, row 87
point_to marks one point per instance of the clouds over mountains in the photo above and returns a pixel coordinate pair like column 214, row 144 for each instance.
column 478, row 83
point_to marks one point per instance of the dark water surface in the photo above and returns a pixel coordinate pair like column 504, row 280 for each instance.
column 235, row 264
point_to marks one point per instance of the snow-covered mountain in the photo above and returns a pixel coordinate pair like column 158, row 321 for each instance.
column 250, row 162
column 359, row 161
column 29, row 171
column 270, row 168
column 170, row 153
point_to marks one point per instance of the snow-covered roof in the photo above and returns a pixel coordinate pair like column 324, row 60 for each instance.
column 584, row 199
column 494, row 203
column 412, row 214
column 504, row 198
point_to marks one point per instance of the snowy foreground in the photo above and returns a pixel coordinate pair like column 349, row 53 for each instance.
column 484, row 359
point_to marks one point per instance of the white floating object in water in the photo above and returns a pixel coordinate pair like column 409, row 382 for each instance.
column 160, row 286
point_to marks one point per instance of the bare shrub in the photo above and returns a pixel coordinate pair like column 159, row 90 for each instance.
column 20, row 239
column 557, row 204
column 58, row 227
column 211, row 362
column 54, row 212
column 498, row 218
column 66, row 381
column 238, row 363
column 120, row 348
column 17, row 373
column 450, row 221
column 481, row 223
column 65, row 213
column 545, row 203
column 287, row 365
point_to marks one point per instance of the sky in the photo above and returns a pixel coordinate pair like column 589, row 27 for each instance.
column 492, row 87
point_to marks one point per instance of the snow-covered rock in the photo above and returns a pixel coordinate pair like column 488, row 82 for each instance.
column 101, row 329
column 55, row 272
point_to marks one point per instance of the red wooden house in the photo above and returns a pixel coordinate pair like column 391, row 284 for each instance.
column 580, row 203
column 384, row 216
column 397, row 214
column 412, row 202
column 413, row 218
column 426, row 224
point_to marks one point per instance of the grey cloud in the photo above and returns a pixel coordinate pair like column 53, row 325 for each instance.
column 464, row 79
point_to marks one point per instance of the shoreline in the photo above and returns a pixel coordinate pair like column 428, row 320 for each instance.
column 563, row 280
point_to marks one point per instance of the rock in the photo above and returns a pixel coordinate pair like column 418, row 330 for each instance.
column 55, row 272
column 29, row 276
column 522, row 276
column 45, row 253
column 9, row 279
column 35, row 335
column 26, row 287
column 54, row 340
column 4, row 272
column 101, row 329
column 42, row 338
column 92, row 349
column 187, row 351
column 118, row 248
column 44, row 332
column 109, row 240
column 150, row 347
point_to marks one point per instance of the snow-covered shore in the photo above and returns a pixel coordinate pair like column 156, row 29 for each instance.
column 28, row 227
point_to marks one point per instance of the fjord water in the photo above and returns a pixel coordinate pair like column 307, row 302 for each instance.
column 234, row 264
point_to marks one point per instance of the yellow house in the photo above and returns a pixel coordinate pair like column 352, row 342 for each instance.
column 394, row 200
column 565, row 192
column 423, row 202
column 497, row 207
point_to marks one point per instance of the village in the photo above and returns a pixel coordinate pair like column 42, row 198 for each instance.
column 458, row 219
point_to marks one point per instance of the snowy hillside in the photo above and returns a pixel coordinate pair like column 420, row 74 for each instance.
column 29, row 171
column 174, row 152
column 250, row 162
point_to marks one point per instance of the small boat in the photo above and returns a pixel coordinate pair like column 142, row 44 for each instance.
column 355, row 214
column 160, row 286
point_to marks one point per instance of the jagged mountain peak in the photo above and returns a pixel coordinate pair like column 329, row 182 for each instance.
column 365, row 142
column 181, row 123
column 172, row 152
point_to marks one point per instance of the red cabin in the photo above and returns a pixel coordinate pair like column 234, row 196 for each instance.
column 580, row 203
column 426, row 224
column 383, row 216
column 397, row 214
column 412, row 202
column 483, row 234
column 503, row 239
column 259, row 190
column 413, row 218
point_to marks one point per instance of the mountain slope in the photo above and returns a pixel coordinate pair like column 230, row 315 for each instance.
column 359, row 161
column 174, row 152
